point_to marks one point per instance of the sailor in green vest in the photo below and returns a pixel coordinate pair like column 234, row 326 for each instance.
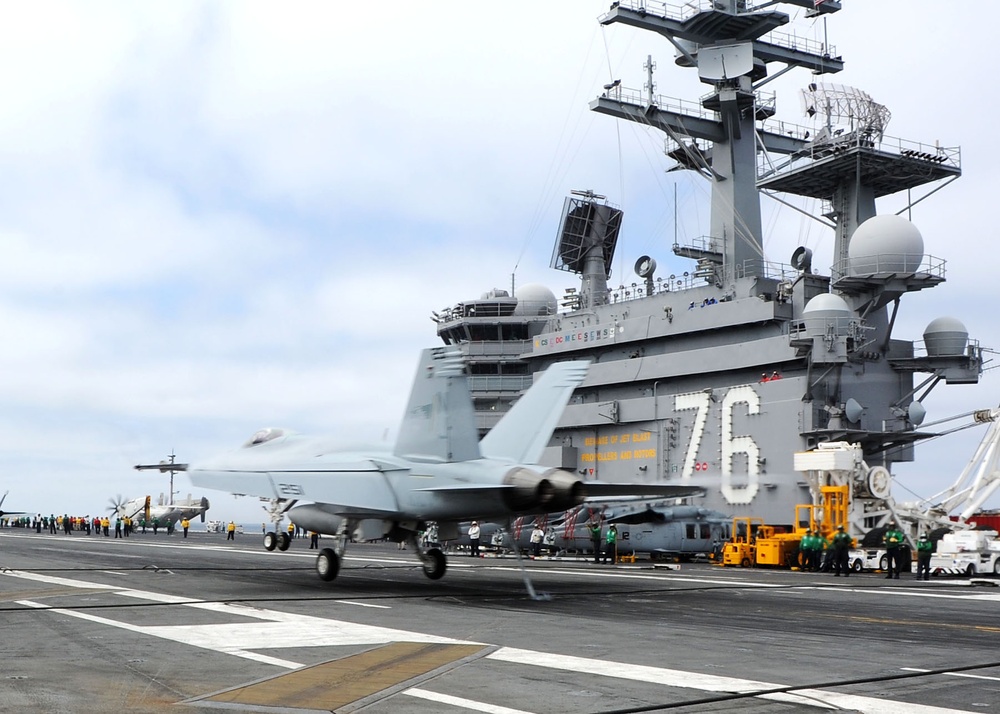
column 841, row 544
column 894, row 541
column 924, row 550
column 808, row 547
column 611, row 545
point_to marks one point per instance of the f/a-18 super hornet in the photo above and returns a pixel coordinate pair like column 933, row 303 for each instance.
column 438, row 471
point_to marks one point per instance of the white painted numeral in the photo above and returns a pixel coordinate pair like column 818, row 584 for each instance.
column 731, row 445
column 701, row 402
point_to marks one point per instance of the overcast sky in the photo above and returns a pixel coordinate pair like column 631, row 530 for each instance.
column 219, row 216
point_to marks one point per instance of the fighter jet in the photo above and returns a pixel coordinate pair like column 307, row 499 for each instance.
column 438, row 471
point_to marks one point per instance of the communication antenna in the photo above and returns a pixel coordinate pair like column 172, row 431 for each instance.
column 845, row 108
column 169, row 465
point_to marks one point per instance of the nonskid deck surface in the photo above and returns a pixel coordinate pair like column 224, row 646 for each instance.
column 153, row 622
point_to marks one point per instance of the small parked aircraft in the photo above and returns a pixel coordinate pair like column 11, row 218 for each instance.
column 165, row 514
column 438, row 470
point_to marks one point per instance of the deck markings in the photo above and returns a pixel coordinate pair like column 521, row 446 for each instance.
column 273, row 629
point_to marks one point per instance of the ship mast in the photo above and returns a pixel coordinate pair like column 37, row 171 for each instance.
column 720, row 139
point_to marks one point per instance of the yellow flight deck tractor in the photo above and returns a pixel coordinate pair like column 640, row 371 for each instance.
column 740, row 550
column 754, row 543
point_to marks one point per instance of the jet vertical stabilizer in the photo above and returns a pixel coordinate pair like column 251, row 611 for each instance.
column 439, row 423
column 525, row 430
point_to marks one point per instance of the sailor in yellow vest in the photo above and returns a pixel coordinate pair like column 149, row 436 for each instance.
column 231, row 531
column 291, row 530
column 185, row 524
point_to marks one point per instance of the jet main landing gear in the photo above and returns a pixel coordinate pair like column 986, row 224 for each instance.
column 432, row 560
column 327, row 564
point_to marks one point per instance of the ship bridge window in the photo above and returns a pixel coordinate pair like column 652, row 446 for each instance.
column 264, row 435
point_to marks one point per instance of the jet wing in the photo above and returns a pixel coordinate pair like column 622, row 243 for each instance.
column 356, row 487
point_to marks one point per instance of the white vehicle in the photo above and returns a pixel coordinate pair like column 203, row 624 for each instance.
column 877, row 559
column 868, row 559
column 967, row 553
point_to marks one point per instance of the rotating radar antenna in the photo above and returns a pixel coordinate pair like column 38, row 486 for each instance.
column 588, row 233
column 843, row 108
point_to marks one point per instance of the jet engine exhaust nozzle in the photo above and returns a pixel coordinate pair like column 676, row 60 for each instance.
column 569, row 490
column 548, row 492
column 531, row 491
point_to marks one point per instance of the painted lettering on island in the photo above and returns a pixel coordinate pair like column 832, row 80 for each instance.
column 623, row 455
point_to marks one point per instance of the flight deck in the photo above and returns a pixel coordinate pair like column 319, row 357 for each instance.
column 156, row 624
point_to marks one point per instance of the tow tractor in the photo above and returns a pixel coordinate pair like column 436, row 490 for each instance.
column 755, row 543
column 967, row 553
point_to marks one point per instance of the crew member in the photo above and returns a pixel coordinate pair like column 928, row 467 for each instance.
column 611, row 545
column 185, row 524
column 313, row 540
column 806, row 549
column 291, row 530
column 537, row 535
column 924, row 550
column 474, row 533
column 118, row 527
column 841, row 552
column 894, row 541
column 231, row 531
column 595, row 538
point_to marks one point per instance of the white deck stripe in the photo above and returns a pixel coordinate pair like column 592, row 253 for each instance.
column 462, row 702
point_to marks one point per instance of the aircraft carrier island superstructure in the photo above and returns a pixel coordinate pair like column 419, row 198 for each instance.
column 719, row 375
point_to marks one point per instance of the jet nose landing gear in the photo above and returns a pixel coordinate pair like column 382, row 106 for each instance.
column 270, row 541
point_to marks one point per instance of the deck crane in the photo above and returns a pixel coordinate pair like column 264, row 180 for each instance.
column 872, row 505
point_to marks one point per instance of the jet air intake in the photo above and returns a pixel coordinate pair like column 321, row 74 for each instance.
column 553, row 490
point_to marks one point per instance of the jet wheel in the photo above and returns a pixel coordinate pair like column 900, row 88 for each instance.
column 283, row 541
column 270, row 541
column 434, row 564
column 327, row 564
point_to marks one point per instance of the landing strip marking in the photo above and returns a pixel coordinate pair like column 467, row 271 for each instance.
column 462, row 702
column 954, row 674
column 273, row 629
column 364, row 604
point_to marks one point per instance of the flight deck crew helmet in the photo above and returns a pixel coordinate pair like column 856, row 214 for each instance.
column 840, row 528
column 923, row 537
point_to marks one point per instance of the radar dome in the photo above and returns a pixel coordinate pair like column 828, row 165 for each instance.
column 885, row 244
column 945, row 336
column 535, row 300
column 821, row 309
